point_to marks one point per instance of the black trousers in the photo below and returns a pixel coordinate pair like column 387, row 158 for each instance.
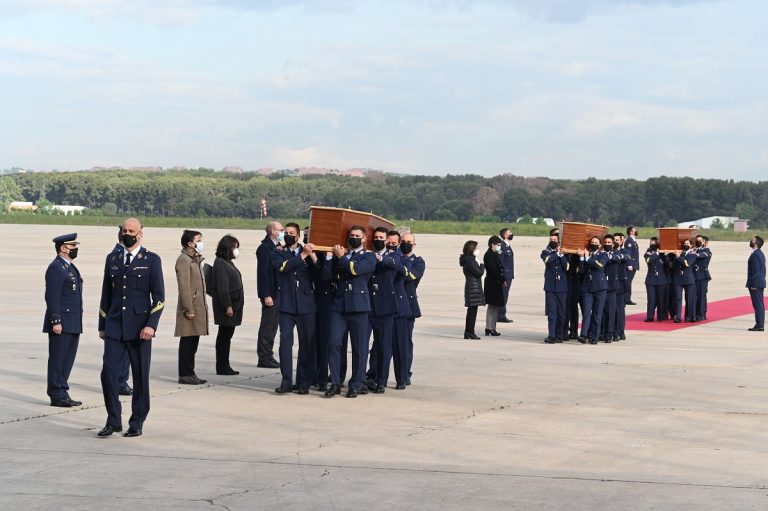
column 469, row 325
column 305, row 363
column 139, row 353
column 270, row 319
column 62, row 349
column 187, row 350
column 223, row 343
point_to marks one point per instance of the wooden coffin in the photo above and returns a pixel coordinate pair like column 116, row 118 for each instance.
column 575, row 235
column 330, row 226
column 671, row 238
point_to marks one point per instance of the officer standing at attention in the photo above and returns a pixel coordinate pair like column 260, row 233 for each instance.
column 701, row 275
column 266, row 285
column 630, row 245
column 63, row 318
column 402, row 313
column 508, row 262
column 125, row 364
column 295, row 266
column 756, row 282
column 350, row 308
column 556, row 289
column 416, row 268
column 132, row 300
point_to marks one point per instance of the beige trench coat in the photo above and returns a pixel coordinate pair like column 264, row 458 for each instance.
column 189, row 277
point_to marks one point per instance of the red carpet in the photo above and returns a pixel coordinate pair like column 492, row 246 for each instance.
column 716, row 311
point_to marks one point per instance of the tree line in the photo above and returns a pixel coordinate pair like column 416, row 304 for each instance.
column 202, row 192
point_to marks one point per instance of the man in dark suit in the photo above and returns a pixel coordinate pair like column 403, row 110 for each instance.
column 756, row 282
column 295, row 266
column 630, row 245
column 508, row 262
column 266, row 286
column 416, row 268
column 702, row 276
column 350, row 308
column 132, row 300
column 63, row 318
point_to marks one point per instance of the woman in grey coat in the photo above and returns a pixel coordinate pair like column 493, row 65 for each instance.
column 228, row 300
column 473, row 287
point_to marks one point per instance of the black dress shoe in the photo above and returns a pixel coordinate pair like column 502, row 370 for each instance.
column 303, row 391
column 560, row 340
column 379, row 389
column 491, row 332
column 132, row 432
column 191, row 380
column 549, row 340
column 62, row 403
column 228, row 372
column 648, row 320
column 583, row 339
column 333, row 390
column 622, row 337
column 677, row 320
column 283, row 389
column 363, row 390
column 756, row 329
column 470, row 335
column 126, row 391
column 73, row 402
column 400, row 386
column 322, row 387
column 573, row 336
column 504, row 320
column 108, row 430
column 268, row 363
column 631, row 303
column 370, row 384
column 593, row 341
column 351, row 392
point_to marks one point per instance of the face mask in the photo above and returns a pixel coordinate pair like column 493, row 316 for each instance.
column 199, row 246
column 654, row 246
column 355, row 242
column 751, row 244
column 686, row 247
column 289, row 240
column 281, row 236
column 392, row 247
column 607, row 248
column 406, row 248
column 378, row 245
column 477, row 253
column 593, row 247
column 699, row 243
column 553, row 245
column 72, row 253
column 497, row 249
column 510, row 237
column 128, row 240
column 235, row 253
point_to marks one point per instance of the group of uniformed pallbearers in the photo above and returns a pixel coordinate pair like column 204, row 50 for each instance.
column 597, row 279
column 343, row 296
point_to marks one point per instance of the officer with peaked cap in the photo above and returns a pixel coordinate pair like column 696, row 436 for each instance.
column 63, row 318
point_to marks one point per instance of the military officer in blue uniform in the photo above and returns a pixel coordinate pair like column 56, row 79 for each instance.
column 607, row 330
column 132, row 300
column 756, row 282
column 556, row 289
column 573, row 279
column 593, row 290
column 701, row 275
column 631, row 246
column 400, row 321
column 682, row 277
column 350, row 308
column 656, row 282
column 621, row 285
column 63, row 320
column 508, row 262
column 416, row 268
column 125, row 364
column 295, row 266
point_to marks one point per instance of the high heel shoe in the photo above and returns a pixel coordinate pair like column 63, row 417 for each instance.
column 470, row 335
column 491, row 332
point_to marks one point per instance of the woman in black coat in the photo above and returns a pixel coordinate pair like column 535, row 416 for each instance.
column 473, row 287
column 494, row 284
column 228, row 300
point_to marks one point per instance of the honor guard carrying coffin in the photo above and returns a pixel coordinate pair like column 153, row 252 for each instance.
column 701, row 275
column 63, row 318
column 593, row 290
column 556, row 289
column 682, row 277
column 132, row 300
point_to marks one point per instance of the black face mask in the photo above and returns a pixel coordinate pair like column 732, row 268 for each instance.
column 593, row 247
column 686, row 247
column 751, row 244
column 355, row 242
column 607, row 248
column 72, row 253
column 653, row 246
column 378, row 245
column 392, row 247
column 128, row 240
column 289, row 240
column 553, row 245
column 406, row 248
column 699, row 244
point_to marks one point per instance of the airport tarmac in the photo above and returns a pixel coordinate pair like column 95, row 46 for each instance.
column 663, row 421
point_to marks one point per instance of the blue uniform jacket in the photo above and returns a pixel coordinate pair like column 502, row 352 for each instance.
column 507, row 261
column 630, row 245
column 325, row 285
column 296, row 290
column 403, row 304
column 133, row 297
column 593, row 268
column 657, row 272
column 756, row 270
column 63, row 297
column 416, row 267
column 353, row 272
column 701, row 269
column 555, row 268
column 266, row 276
column 612, row 269
column 682, row 269
column 624, row 261
column 381, row 286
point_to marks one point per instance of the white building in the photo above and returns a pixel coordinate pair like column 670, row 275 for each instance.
column 538, row 220
column 706, row 223
column 68, row 210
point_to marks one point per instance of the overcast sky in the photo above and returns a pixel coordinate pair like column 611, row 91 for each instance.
column 559, row 88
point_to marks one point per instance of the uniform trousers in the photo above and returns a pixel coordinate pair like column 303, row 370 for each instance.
column 139, row 353
column 572, row 307
column 305, row 362
column 503, row 308
column 556, row 313
column 357, row 324
column 759, row 305
column 621, row 319
column 690, row 301
column 609, row 314
column 628, row 291
column 399, row 354
column 702, row 286
column 592, row 313
column 411, row 325
column 382, row 329
column 187, row 350
column 656, row 297
column 62, row 349
column 322, row 337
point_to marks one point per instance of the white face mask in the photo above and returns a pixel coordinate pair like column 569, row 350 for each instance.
column 199, row 246
column 235, row 253
column 477, row 253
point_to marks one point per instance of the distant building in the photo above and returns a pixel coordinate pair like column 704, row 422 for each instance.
column 68, row 210
column 741, row 225
column 21, row 206
column 538, row 220
column 706, row 223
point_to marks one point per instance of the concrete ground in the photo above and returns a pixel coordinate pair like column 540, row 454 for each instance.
column 662, row 421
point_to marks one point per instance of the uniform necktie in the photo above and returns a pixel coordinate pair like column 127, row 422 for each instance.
column 128, row 259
